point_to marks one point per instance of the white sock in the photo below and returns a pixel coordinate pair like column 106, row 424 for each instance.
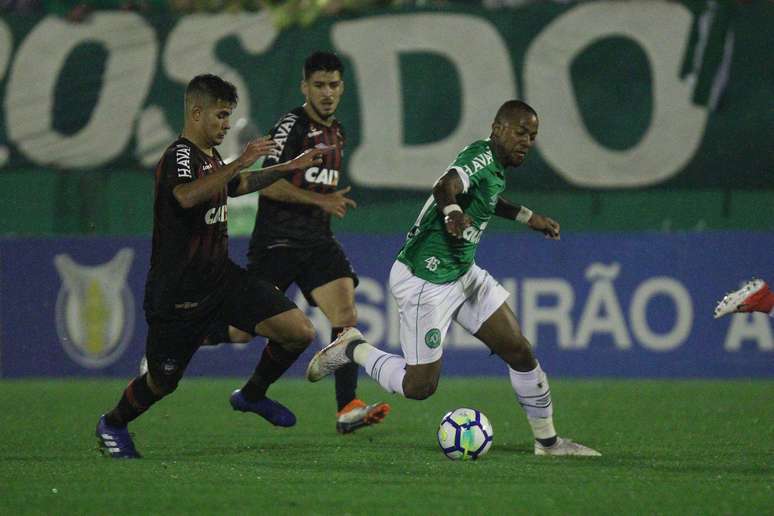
column 542, row 427
column 361, row 352
column 534, row 396
column 387, row 369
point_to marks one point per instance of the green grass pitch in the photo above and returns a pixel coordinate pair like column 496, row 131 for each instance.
column 669, row 447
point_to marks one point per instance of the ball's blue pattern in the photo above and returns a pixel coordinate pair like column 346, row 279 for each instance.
column 458, row 429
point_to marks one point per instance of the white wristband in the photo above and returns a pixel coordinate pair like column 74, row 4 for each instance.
column 450, row 208
column 524, row 215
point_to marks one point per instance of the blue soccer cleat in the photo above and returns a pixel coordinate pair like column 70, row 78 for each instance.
column 275, row 413
column 115, row 442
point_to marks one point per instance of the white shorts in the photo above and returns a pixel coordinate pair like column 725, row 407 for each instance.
column 427, row 309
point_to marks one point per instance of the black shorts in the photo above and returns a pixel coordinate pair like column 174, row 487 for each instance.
column 308, row 267
column 245, row 302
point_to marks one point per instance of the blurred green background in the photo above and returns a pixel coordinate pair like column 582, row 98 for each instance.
column 121, row 80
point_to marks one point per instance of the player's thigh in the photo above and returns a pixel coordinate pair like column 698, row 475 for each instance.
column 238, row 336
column 486, row 315
column 327, row 276
column 336, row 299
column 257, row 307
column 484, row 297
column 425, row 310
column 291, row 328
column 276, row 264
column 501, row 332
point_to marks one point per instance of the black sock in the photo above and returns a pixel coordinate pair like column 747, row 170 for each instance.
column 349, row 351
column 345, row 377
column 275, row 360
column 217, row 336
column 547, row 442
column 137, row 398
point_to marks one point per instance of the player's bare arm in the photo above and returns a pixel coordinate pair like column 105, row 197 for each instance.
column 336, row 203
column 203, row 188
column 546, row 225
column 259, row 179
column 445, row 193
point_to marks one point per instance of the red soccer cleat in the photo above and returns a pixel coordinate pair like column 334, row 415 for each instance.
column 754, row 296
column 356, row 414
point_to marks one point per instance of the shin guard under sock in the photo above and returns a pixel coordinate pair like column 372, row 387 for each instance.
column 274, row 361
column 345, row 378
column 136, row 399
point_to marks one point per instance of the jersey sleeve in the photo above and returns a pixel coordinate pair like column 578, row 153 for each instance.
column 470, row 172
column 177, row 166
column 288, row 134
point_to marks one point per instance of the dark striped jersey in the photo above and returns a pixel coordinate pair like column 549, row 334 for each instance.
column 189, row 256
column 293, row 224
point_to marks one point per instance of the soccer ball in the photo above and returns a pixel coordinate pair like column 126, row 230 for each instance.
column 465, row 433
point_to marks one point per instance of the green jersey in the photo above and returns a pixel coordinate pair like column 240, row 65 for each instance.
column 429, row 251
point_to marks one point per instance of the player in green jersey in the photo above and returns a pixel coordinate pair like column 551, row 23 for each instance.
column 435, row 280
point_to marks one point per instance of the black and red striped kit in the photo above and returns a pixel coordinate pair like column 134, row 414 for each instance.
column 293, row 242
column 189, row 256
column 292, row 223
column 193, row 287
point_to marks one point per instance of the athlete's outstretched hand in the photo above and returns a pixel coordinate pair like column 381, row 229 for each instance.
column 546, row 225
column 456, row 222
column 255, row 149
column 310, row 157
column 337, row 203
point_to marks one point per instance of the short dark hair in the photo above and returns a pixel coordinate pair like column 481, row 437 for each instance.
column 510, row 108
column 325, row 61
column 208, row 88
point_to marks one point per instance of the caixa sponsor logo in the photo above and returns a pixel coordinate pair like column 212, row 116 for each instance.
column 95, row 309
column 215, row 215
column 325, row 176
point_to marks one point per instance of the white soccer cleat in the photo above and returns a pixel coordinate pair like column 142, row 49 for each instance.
column 332, row 356
column 742, row 300
column 565, row 447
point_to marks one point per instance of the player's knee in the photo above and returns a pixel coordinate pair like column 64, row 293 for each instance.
column 306, row 335
column 163, row 385
column 300, row 335
column 419, row 390
column 520, row 354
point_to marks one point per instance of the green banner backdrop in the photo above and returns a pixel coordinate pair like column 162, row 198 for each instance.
column 631, row 95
